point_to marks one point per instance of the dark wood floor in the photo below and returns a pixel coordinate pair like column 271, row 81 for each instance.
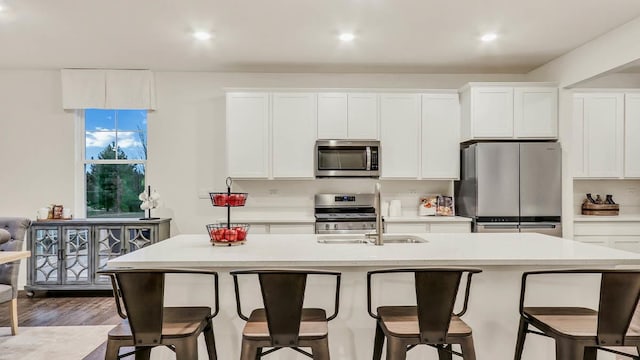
column 62, row 311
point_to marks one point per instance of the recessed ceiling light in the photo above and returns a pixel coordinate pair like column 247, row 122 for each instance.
column 346, row 37
column 2, row 8
column 202, row 35
column 489, row 37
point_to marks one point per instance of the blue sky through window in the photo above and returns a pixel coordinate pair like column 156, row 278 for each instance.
column 126, row 128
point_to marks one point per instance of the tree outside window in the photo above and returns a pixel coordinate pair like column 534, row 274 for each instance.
column 115, row 159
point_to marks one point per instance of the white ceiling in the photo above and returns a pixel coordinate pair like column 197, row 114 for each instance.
column 421, row 36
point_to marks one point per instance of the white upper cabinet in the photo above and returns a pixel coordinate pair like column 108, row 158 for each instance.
column 332, row 116
column 492, row 112
column 535, row 113
column 363, row 116
column 347, row 116
column 601, row 131
column 293, row 134
column 440, row 135
column 509, row 112
column 247, row 135
column 632, row 136
column 400, row 135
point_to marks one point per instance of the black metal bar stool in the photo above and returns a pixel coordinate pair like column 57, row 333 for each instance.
column 431, row 322
column 578, row 331
column 283, row 322
column 147, row 323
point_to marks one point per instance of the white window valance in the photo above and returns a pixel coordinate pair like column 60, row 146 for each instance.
column 108, row 89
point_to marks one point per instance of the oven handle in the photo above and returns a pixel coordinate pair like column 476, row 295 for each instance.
column 368, row 151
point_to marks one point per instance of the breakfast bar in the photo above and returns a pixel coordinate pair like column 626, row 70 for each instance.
column 493, row 305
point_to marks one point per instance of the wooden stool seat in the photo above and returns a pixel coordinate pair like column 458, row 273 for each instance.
column 581, row 332
column 575, row 322
column 177, row 322
column 402, row 321
column 431, row 321
column 283, row 322
column 147, row 323
column 313, row 325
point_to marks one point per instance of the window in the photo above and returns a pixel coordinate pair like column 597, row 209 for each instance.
column 114, row 159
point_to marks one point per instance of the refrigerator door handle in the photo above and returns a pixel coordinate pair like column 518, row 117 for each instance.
column 538, row 226
column 499, row 226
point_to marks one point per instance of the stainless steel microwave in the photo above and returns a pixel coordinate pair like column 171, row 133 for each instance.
column 347, row 158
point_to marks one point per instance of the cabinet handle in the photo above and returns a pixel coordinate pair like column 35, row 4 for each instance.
column 60, row 254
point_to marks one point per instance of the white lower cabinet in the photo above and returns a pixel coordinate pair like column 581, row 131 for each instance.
column 407, row 228
column 624, row 235
column 464, row 227
column 424, row 227
column 291, row 228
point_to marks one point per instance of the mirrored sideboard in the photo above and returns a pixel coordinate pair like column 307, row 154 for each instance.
column 66, row 254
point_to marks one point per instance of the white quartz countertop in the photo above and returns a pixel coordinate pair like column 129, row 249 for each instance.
column 299, row 250
column 309, row 219
column 595, row 218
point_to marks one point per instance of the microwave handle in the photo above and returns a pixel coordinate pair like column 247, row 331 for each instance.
column 368, row 151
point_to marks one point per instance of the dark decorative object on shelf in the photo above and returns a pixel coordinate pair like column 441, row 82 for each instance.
column 150, row 200
column 600, row 207
column 227, row 233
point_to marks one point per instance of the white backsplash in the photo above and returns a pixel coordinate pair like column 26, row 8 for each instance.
column 296, row 196
column 625, row 192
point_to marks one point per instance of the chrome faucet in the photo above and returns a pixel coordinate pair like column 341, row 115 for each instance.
column 377, row 204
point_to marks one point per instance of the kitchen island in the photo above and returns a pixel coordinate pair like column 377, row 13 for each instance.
column 493, row 307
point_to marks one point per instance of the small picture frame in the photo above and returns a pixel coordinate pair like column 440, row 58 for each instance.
column 57, row 211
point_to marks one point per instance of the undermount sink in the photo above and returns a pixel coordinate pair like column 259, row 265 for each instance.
column 363, row 239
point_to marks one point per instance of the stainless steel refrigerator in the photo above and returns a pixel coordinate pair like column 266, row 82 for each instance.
column 511, row 187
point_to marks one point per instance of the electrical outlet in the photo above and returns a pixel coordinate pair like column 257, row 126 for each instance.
column 273, row 191
column 413, row 191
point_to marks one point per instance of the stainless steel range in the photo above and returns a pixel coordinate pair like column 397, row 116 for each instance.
column 345, row 213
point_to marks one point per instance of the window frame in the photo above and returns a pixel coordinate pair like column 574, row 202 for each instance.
column 80, row 178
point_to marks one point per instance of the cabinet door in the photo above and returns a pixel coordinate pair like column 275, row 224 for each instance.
column 400, row 135
column 578, row 154
column 363, row 116
column 492, row 112
column 332, row 116
column 77, row 249
column 440, row 136
column 603, row 135
column 451, row 227
column 291, row 229
column 248, row 135
column 294, row 135
column 109, row 244
column 632, row 136
column 139, row 236
column 407, row 228
column 45, row 259
column 536, row 113
column 627, row 243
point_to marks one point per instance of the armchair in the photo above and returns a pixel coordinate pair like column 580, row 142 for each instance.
column 12, row 235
